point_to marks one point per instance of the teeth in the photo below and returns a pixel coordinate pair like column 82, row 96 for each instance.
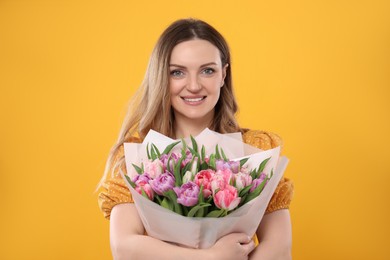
column 193, row 99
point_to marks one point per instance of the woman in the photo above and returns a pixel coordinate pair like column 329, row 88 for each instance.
column 188, row 87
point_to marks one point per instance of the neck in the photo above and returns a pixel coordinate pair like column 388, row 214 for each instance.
column 185, row 127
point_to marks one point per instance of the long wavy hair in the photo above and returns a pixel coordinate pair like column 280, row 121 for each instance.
column 150, row 107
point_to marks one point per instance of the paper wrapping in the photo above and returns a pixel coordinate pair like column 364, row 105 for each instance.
column 193, row 232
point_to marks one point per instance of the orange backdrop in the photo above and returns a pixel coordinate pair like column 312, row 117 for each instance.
column 316, row 72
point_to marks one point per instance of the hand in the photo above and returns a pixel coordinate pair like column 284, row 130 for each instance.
column 235, row 246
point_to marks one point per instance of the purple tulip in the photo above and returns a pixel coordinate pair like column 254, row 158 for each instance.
column 187, row 159
column 234, row 166
column 187, row 194
column 163, row 183
column 258, row 181
column 141, row 178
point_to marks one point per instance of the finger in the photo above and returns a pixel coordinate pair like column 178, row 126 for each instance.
column 243, row 238
column 248, row 247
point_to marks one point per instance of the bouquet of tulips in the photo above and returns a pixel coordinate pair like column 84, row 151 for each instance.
column 195, row 184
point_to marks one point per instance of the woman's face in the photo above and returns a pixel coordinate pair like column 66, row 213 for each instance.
column 195, row 81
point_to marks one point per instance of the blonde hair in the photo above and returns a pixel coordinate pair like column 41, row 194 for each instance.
column 150, row 107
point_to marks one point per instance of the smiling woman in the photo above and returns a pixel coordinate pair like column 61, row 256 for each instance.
column 188, row 87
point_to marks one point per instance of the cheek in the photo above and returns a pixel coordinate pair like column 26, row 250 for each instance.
column 174, row 87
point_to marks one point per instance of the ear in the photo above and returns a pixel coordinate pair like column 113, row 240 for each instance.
column 224, row 69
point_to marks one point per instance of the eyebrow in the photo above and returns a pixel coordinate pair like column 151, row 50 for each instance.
column 204, row 65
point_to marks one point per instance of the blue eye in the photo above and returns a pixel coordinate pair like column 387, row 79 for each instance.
column 208, row 71
column 176, row 73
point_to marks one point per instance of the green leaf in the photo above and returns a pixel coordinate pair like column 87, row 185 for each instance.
column 200, row 195
column 256, row 192
column 169, row 164
column 157, row 197
column 217, row 154
column 130, row 181
column 138, row 169
column 144, row 193
column 224, row 156
column 167, row 203
column 184, row 148
column 216, row 213
column 232, row 182
column 153, row 153
column 198, row 164
column 262, row 165
column 203, row 153
column 225, row 212
column 170, row 147
column 185, row 210
column 173, row 197
column 192, row 151
column 204, row 166
column 244, row 191
column 243, row 200
column 147, row 151
column 185, row 169
column 195, row 154
column 271, row 174
column 194, row 144
column 157, row 151
column 254, row 174
column 212, row 162
column 198, row 208
column 177, row 173
column 243, row 161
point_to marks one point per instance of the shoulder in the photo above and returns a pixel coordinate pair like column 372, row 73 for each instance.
column 119, row 151
column 261, row 139
column 134, row 139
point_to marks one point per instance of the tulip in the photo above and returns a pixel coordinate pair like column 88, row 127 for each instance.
column 220, row 179
column 187, row 194
column 242, row 180
column 163, row 183
column 142, row 183
column 227, row 198
column 258, row 181
column 154, row 169
column 204, row 178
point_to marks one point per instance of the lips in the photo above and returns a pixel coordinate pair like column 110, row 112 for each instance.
column 194, row 100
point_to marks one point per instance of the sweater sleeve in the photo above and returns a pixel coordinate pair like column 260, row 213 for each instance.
column 113, row 189
column 283, row 194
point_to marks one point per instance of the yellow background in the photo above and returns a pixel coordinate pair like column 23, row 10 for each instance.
column 315, row 72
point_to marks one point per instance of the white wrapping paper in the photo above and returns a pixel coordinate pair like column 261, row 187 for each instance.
column 194, row 232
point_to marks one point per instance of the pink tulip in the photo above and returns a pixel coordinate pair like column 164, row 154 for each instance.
column 154, row 169
column 204, row 178
column 142, row 182
column 148, row 190
column 227, row 198
column 220, row 179
column 242, row 180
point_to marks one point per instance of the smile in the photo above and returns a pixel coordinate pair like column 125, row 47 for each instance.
column 193, row 100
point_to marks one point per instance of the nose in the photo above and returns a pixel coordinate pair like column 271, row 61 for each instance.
column 193, row 84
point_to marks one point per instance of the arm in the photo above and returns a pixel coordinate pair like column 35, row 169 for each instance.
column 274, row 235
column 129, row 242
